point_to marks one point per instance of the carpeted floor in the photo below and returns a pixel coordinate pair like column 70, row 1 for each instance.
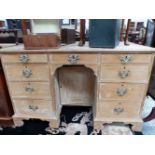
column 78, row 121
column 73, row 122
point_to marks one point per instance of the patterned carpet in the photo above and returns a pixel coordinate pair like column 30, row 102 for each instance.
column 78, row 121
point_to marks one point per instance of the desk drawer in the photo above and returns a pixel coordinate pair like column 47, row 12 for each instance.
column 32, row 90
column 126, row 58
column 33, row 108
column 118, row 109
column 122, row 91
column 73, row 58
column 137, row 73
column 27, row 72
column 25, row 58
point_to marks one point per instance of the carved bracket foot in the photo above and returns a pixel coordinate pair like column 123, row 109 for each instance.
column 137, row 126
column 54, row 124
column 18, row 122
column 98, row 125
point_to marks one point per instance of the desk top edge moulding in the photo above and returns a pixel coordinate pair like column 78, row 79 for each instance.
column 119, row 79
column 120, row 49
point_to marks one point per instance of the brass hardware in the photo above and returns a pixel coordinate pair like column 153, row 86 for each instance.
column 118, row 110
column 29, row 88
column 121, row 91
column 33, row 108
column 27, row 72
column 73, row 58
column 123, row 73
column 126, row 59
column 24, row 58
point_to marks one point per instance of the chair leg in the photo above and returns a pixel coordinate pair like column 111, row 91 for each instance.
column 127, row 33
column 16, row 37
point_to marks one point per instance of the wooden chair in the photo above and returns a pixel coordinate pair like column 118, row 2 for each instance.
column 82, row 32
column 122, row 38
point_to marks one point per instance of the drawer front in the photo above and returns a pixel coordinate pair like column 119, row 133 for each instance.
column 120, row 91
column 138, row 73
column 73, row 58
column 126, row 58
column 32, row 90
column 33, row 108
column 25, row 58
column 27, row 72
column 118, row 109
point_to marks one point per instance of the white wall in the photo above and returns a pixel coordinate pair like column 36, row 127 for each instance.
column 45, row 26
column 6, row 26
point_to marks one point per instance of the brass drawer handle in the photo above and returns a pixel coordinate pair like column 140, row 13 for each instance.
column 73, row 58
column 126, row 59
column 118, row 110
column 121, row 91
column 27, row 72
column 123, row 73
column 33, row 108
column 29, row 88
column 24, row 58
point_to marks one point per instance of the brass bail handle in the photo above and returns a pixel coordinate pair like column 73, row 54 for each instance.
column 121, row 91
column 29, row 88
column 33, row 108
column 24, row 58
column 123, row 73
column 27, row 72
column 118, row 110
column 126, row 59
column 73, row 58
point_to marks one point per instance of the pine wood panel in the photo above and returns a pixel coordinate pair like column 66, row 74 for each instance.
column 135, row 92
column 33, row 108
column 106, row 109
column 136, row 58
column 14, row 72
column 138, row 73
column 34, row 58
column 83, row 58
column 41, row 90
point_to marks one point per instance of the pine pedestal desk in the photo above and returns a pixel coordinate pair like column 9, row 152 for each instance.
column 113, row 82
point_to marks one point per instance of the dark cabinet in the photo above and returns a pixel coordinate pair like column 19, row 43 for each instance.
column 68, row 36
column 6, row 110
column 151, row 89
column 104, row 33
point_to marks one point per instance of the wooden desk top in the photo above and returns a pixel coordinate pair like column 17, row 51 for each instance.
column 132, row 48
